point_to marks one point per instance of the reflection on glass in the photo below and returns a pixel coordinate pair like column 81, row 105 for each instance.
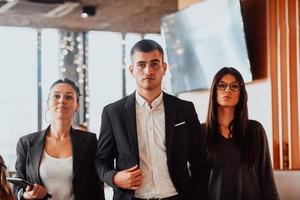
column 203, row 38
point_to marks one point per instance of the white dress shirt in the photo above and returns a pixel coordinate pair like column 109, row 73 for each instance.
column 156, row 182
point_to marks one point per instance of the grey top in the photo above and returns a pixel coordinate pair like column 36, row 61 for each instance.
column 231, row 179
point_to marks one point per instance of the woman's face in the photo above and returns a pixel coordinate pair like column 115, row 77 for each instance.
column 62, row 102
column 228, row 91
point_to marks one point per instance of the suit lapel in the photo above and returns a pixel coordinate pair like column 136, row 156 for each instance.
column 130, row 123
column 170, row 117
column 36, row 148
column 79, row 148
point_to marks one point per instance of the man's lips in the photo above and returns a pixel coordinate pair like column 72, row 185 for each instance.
column 149, row 78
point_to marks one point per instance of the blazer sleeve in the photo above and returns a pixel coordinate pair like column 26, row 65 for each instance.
column 20, row 166
column 106, row 150
column 265, row 169
column 95, row 185
column 196, row 153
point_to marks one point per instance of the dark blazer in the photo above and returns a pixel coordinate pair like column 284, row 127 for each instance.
column 86, row 184
column 118, row 141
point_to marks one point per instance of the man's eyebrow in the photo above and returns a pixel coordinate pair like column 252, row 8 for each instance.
column 155, row 60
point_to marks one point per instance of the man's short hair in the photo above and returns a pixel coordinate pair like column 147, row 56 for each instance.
column 147, row 45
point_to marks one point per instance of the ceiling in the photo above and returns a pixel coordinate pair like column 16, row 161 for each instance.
column 142, row 16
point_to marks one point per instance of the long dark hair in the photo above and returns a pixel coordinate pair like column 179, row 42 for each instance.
column 5, row 190
column 237, row 127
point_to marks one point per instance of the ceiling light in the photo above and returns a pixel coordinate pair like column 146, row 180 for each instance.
column 88, row 11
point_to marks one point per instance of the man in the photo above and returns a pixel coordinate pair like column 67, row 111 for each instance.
column 147, row 138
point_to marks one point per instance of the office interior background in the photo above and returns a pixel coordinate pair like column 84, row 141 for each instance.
column 89, row 41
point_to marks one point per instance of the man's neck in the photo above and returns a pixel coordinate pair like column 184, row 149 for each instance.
column 149, row 96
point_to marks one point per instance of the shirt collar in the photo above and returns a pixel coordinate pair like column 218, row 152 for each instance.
column 144, row 104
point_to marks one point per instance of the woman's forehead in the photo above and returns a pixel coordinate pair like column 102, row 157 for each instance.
column 63, row 87
column 229, row 78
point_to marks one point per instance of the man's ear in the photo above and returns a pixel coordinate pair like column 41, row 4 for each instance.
column 165, row 66
column 131, row 70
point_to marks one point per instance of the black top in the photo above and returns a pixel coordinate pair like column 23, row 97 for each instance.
column 231, row 179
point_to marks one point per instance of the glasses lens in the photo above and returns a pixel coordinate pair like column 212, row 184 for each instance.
column 232, row 86
column 235, row 87
column 222, row 86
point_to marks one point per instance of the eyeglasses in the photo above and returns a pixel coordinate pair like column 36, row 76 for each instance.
column 234, row 86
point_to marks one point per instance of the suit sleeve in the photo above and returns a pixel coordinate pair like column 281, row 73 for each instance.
column 196, row 154
column 106, row 151
column 265, row 170
column 95, row 185
column 20, row 167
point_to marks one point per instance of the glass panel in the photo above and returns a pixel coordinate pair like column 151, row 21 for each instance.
column 18, row 86
column 50, row 69
column 104, row 72
column 198, row 47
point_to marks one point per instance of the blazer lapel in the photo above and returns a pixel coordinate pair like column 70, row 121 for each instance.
column 36, row 148
column 79, row 147
column 170, row 117
column 130, row 123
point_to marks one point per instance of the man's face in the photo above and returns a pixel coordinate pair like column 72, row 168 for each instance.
column 148, row 70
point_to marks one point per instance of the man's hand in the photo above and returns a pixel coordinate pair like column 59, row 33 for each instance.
column 35, row 192
column 129, row 178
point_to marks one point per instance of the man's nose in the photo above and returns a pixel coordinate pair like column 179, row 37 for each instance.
column 148, row 69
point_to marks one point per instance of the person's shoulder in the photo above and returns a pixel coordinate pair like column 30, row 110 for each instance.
column 176, row 100
column 253, row 124
column 257, row 130
column 31, row 136
column 119, row 103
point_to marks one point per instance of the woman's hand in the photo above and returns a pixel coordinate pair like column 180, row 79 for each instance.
column 35, row 192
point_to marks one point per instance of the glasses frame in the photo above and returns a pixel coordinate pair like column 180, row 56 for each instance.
column 230, row 85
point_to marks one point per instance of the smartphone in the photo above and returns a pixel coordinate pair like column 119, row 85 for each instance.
column 19, row 182
column 23, row 184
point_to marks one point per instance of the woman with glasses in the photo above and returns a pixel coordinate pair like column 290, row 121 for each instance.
column 238, row 159
column 60, row 159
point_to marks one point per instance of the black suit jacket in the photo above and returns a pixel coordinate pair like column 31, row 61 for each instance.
column 118, row 141
column 86, row 184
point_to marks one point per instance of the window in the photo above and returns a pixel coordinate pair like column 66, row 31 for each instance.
column 18, row 86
